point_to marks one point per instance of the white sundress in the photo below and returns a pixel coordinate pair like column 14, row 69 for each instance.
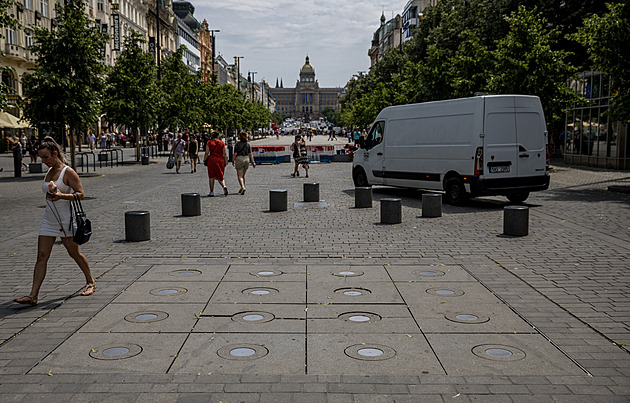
column 58, row 214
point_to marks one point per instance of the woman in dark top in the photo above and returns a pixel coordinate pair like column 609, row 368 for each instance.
column 33, row 146
column 299, row 155
column 193, row 153
column 243, row 153
column 216, row 155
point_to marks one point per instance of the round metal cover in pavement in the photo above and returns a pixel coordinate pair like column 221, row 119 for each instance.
column 498, row 352
column 360, row 317
column 261, row 291
column 469, row 318
column 115, row 351
column 445, row 292
column 353, row 291
column 253, row 317
column 185, row 273
column 347, row 273
column 146, row 317
column 167, row 291
column 428, row 273
column 370, row 352
column 266, row 273
column 242, row 352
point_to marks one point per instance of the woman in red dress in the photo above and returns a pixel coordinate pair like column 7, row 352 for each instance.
column 216, row 157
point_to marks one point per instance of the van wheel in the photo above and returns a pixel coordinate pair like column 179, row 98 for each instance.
column 360, row 178
column 518, row 197
column 455, row 191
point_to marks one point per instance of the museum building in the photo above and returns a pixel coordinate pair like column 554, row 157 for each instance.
column 307, row 100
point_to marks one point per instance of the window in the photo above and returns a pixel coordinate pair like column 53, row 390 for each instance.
column 100, row 6
column 28, row 4
column 11, row 38
column 8, row 79
column 28, row 38
column 44, row 8
column 376, row 135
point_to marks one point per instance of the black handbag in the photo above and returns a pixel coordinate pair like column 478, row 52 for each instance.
column 83, row 231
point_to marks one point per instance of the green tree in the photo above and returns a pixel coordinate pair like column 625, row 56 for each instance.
column 67, row 85
column 131, row 87
column 525, row 63
column 606, row 39
column 180, row 94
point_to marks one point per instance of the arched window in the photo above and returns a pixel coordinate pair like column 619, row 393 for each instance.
column 10, row 81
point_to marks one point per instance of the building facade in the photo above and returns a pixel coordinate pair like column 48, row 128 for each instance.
column 187, row 29
column 413, row 11
column 205, row 51
column 590, row 136
column 307, row 100
column 388, row 36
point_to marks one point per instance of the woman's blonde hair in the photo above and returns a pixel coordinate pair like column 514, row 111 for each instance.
column 51, row 145
column 243, row 135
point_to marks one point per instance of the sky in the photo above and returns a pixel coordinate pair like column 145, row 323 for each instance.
column 275, row 36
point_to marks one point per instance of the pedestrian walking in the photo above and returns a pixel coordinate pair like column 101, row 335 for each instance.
column 32, row 146
column 243, row 153
column 103, row 140
column 92, row 141
column 60, row 185
column 216, row 158
column 177, row 151
column 193, row 153
column 299, row 155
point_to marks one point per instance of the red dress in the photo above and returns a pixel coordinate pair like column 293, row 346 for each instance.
column 216, row 161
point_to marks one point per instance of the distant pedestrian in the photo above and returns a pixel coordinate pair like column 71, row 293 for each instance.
column 217, row 158
column 177, row 150
column 32, row 146
column 60, row 185
column 243, row 155
column 104, row 140
column 92, row 141
column 299, row 155
column 193, row 153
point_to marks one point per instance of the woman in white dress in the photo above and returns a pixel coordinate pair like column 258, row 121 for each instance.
column 60, row 184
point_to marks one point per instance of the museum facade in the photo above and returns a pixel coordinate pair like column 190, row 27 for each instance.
column 307, row 100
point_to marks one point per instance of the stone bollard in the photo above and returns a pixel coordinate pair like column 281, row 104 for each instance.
column 311, row 192
column 35, row 168
column 277, row 200
column 363, row 197
column 391, row 211
column 145, row 160
column 516, row 220
column 137, row 226
column 191, row 204
column 431, row 205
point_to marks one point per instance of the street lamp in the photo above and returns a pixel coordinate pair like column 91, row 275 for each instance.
column 237, row 61
column 212, row 31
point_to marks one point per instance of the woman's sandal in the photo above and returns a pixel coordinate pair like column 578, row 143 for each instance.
column 88, row 290
column 27, row 300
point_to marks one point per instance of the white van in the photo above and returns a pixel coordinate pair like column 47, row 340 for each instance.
column 479, row 146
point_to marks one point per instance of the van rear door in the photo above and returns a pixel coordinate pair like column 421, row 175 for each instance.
column 500, row 141
column 530, row 136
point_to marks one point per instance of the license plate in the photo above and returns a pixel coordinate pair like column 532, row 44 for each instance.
column 499, row 169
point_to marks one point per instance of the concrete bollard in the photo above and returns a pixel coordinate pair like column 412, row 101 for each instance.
column 35, row 168
column 191, row 204
column 137, row 226
column 516, row 220
column 278, row 200
column 145, row 159
column 431, row 205
column 391, row 211
column 311, row 192
column 363, row 197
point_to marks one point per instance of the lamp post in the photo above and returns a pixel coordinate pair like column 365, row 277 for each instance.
column 212, row 31
column 237, row 61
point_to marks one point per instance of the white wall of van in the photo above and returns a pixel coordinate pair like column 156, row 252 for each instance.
column 488, row 145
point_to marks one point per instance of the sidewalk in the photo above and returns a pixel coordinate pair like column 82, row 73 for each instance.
column 321, row 302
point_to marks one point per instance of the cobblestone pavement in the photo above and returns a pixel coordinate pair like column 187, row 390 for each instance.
column 568, row 279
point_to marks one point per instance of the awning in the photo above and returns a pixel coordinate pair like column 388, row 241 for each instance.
column 11, row 122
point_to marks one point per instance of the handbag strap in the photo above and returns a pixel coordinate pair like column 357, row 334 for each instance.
column 76, row 202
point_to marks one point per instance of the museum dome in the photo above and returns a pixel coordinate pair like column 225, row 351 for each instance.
column 307, row 68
